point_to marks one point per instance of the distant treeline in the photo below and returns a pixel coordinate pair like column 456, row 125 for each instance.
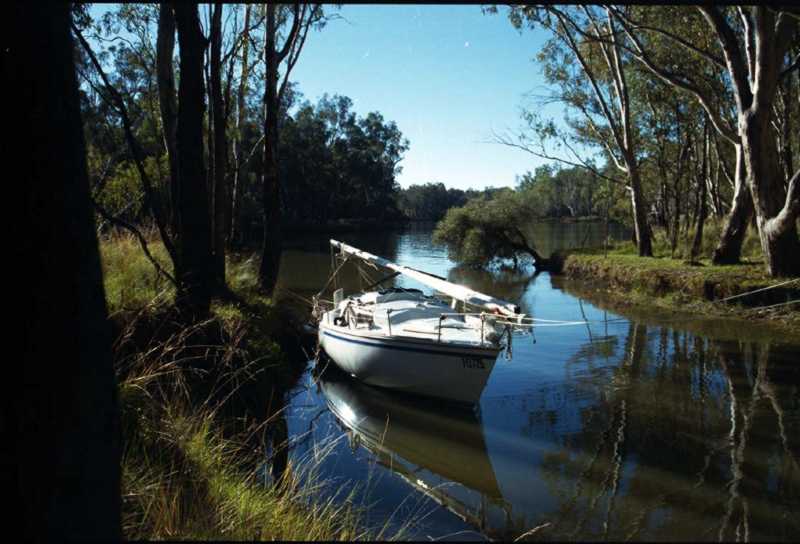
column 555, row 193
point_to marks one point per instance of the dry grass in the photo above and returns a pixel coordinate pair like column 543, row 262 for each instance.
column 195, row 453
column 188, row 473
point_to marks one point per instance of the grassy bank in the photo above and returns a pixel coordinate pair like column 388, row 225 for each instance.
column 193, row 401
column 670, row 281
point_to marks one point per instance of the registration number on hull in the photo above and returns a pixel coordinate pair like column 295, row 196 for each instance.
column 473, row 363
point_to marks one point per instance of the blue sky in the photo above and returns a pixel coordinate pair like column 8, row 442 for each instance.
column 448, row 75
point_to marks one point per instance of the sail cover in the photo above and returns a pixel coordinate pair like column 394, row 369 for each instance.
column 458, row 292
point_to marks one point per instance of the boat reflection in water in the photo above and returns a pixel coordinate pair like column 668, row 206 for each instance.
column 436, row 446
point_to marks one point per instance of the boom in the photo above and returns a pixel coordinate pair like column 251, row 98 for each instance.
column 458, row 292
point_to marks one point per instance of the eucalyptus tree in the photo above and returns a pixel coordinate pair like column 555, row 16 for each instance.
column 61, row 446
column 430, row 202
column 592, row 75
column 286, row 30
column 168, row 106
column 220, row 204
column 336, row 164
column 238, row 136
column 753, row 46
column 194, row 271
column 487, row 229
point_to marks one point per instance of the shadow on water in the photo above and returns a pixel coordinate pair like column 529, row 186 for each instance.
column 639, row 426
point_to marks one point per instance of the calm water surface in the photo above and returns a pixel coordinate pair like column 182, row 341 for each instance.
column 629, row 427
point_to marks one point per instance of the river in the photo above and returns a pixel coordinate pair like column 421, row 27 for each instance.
column 640, row 425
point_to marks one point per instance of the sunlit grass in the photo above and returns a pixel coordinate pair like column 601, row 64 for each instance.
column 673, row 282
column 131, row 282
column 183, row 480
column 190, row 470
column 712, row 230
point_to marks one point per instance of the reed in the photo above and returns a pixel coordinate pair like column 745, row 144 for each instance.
column 190, row 473
column 195, row 460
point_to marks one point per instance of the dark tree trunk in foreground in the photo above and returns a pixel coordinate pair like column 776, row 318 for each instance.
column 195, row 274
column 66, row 479
column 238, row 150
column 165, row 48
column 273, row 235
column 220, row 150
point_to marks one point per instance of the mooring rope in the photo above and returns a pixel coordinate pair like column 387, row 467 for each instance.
column 333, row 275
column 795, row 301
column 758, row 290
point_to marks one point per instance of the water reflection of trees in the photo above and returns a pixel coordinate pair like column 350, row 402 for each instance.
column 504, row 283
column 687, row 438
column 306, row 264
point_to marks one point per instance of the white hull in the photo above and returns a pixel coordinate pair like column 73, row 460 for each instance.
column 407, row 341
column 412, row 365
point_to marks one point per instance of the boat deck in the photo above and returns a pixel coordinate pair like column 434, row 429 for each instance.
column 414, row 315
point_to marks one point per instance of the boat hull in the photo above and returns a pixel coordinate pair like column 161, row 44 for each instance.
column 450, row 371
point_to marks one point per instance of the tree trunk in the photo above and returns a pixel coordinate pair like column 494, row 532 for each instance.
column 220, row 150
column 641, row 227
column 786, row 90
column 165, row 47
column 775, row 213
column 62, row 466
column 196, row 274
column 273, row 236
column 755, row 80
column 729, row 248
column 235, row 227
column 702, row 207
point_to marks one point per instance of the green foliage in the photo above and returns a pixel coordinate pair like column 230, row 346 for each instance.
column 676, row 285
column 131, row 282
column 334, row 165
column 486, row 230
column 565, row 192
column 186, row 474
column 430, row 202
column 191, row 469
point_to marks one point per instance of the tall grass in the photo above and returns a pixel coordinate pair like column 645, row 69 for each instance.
column 194, row 462
column 131, row 282
column 183, row 478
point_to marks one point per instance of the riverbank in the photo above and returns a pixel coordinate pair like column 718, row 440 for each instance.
column 744, row 290
column 204, row 437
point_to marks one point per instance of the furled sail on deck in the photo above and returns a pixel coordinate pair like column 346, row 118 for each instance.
column 458, row 292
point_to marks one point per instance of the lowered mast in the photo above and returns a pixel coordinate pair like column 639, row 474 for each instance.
column 458, row 292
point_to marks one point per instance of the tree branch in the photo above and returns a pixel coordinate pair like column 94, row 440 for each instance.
column 567, row 37
column 733, row 55
column 505, row 141
column 142, row 240
column 672, row 79
column 294, row 54
column 749, row 45
column 791, row 68
column 152, row 202
column 791, row 208
column 677, row 39
column 293, row 32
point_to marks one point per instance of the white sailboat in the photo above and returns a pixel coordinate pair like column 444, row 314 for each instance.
column 405, row 340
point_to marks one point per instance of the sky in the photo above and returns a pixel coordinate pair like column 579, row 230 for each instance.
column 448, row 75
